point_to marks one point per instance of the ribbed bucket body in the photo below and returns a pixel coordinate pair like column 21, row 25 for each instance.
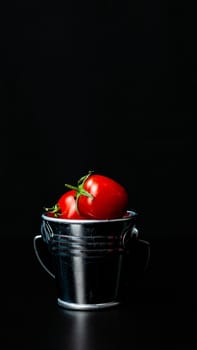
column 88, row 258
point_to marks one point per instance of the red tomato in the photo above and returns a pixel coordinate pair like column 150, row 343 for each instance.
column 100, row 197
column 66, row 207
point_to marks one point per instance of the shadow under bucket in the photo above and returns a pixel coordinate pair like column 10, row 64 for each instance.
column 88, row 258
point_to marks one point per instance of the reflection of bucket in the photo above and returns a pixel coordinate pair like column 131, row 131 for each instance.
column 88, row 258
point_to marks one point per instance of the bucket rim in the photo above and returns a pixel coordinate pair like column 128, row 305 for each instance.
column 130, row 215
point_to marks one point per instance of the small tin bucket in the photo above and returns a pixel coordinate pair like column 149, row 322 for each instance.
column 88, row 258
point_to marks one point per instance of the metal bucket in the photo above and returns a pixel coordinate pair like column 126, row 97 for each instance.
column 88, row 258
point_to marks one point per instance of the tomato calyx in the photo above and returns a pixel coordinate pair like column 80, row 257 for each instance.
column 79, row 188
column 55, row 210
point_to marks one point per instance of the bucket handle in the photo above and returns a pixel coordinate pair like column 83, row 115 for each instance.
column 38, row 256
column 147, row 244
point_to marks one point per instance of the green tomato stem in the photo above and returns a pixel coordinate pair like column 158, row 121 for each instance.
column 55, row 210
column 72, row 187
column 80, row 190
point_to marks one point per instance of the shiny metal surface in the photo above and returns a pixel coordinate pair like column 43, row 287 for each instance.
column 88, row 229
column 75, row 306
column 88, row 258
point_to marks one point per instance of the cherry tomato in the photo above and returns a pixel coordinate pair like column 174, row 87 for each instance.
column 65, row 208
column 100, row 197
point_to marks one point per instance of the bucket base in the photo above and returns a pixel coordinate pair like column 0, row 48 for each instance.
column 75, row 306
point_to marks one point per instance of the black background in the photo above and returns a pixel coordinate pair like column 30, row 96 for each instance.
column 110, row 87
column 103, row 86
